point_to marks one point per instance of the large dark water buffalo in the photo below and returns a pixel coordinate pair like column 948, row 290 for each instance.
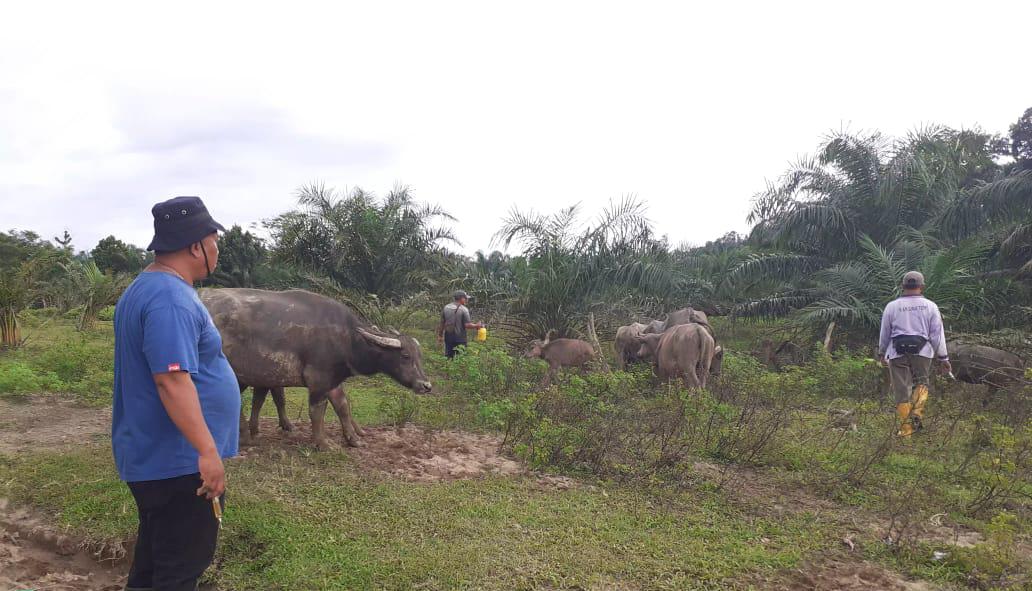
column 978, row 364
column 275, row 339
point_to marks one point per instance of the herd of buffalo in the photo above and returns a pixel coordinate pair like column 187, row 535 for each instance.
column 291, row 338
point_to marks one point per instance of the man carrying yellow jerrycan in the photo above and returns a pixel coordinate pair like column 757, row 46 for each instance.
column 911, row 334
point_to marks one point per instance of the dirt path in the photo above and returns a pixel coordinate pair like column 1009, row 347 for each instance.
column 842, row 575
column 412, row 453
column 38, row 557
column 50, row 422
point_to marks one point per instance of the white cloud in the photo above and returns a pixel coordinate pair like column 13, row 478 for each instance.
column 108, row 108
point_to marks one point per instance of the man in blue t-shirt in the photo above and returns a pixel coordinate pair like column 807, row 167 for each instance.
column 176, row 402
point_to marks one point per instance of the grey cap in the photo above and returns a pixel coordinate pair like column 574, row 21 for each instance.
column 459, row 295
column 913, row 280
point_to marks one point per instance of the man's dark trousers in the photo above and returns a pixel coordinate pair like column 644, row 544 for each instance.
column 450, row 343
column 178, row 532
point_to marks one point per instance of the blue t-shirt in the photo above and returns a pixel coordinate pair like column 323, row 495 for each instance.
column 161, row 326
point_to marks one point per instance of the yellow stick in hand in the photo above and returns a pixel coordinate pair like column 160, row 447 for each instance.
column 216, row 506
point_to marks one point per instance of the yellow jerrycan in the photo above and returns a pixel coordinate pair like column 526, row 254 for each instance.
column 481, row 334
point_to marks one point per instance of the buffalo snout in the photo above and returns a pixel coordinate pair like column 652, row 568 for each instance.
column 423, row 387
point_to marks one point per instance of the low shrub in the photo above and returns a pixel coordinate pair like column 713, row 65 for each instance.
column 486, row 372
column 628, row 425
column 106, row 314
column 994, row 564
column 18, row 378
column 84, row 368
column 400, row 406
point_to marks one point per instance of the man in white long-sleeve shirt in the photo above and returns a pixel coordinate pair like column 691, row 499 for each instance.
column 911, row 335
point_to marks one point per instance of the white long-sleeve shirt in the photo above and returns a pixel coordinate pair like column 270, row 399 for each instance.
column 913, row 315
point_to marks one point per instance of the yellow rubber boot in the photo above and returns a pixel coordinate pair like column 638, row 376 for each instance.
column 906, row 428
column 919, row 398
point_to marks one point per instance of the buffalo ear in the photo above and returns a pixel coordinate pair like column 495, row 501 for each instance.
column 380, row 341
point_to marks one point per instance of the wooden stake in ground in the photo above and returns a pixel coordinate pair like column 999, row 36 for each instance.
column 602, row 363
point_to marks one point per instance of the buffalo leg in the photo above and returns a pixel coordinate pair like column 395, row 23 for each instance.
column 245, row 434
column 317, row 412
column 990, row 393
column 257, row 400
column 553, row 371
column 354, row 425
column 343, row 408
column 280, row 399
column 701, row 373
column 351, row 417
column 691, row 379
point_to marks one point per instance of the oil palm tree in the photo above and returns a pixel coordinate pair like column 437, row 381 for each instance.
column 820, row 229
column 96, row 289
column 389, row 247
column 613, row 267
column 854, row 293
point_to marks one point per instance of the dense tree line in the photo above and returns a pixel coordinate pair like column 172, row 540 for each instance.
column 829, row 241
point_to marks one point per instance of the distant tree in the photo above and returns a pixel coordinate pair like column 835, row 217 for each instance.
column 20, row 287
column 834, row 235
column 240, row 256
column 1021, row 140
column 113, row 255
column 390, row 247
column 615, row 268
column 64, row 241
column 96, row 290
column 18, row 246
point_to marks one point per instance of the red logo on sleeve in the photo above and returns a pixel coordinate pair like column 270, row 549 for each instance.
column 173, row 367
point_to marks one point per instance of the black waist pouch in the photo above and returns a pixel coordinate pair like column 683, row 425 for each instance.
column 909, row 344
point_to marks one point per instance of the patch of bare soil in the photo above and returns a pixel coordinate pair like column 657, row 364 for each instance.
column 35, row 556
column 836, row 575
column 412, row 453
column 757, row 491
column 762, row 493
column 765, row 495
column 49, row 422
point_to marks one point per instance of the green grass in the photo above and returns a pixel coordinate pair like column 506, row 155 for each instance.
column 315, row 521
column 302, row 519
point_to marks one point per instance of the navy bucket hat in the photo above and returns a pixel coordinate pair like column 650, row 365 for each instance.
column 179, row 222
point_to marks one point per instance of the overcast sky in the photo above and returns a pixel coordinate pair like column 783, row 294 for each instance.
column 108, row 108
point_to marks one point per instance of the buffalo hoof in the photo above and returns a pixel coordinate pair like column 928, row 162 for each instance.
column 323, row 445
column 286, row 425
column 354, row 442
column 253, row 434
column 246, row 438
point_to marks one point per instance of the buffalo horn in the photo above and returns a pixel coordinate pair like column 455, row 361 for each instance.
column 380, row 340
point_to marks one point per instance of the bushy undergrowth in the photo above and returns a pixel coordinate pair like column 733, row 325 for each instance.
column 830, row 421
column 493, row 381
column 18, row 378
column 74, row 365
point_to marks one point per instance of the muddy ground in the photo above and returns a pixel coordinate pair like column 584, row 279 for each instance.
column 840, row 575
column 412, row 453
column 45, row 423
column 34, row 555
